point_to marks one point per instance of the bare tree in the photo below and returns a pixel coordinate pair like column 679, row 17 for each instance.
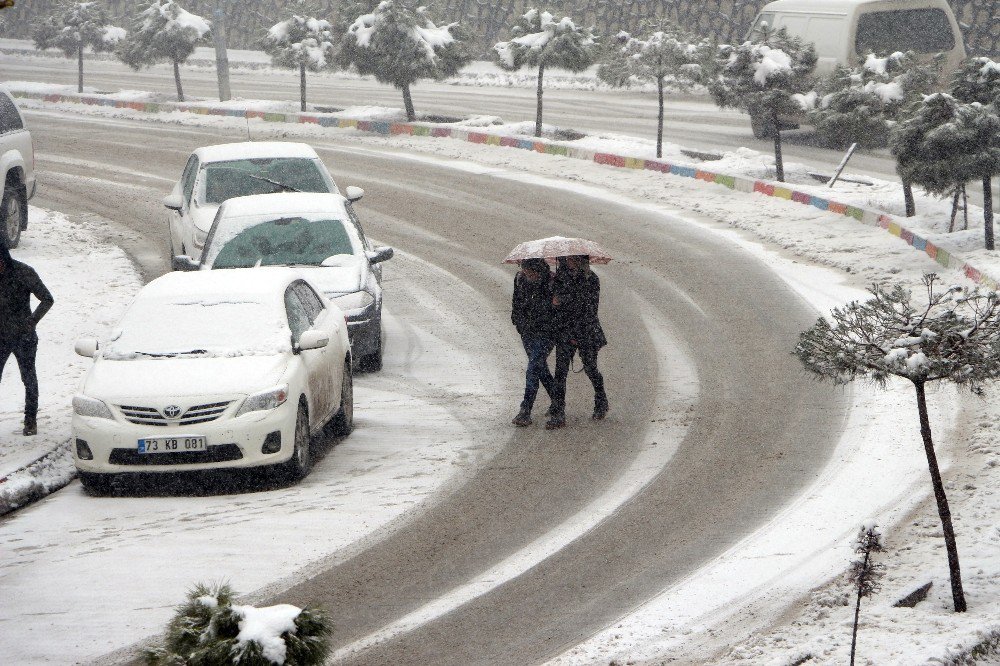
column 865, row 573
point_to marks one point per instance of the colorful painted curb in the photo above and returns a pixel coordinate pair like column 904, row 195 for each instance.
column 864, row 215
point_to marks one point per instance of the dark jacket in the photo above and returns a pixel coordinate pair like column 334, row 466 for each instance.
column 531, row 307
column 575, row 318
column 17, row 283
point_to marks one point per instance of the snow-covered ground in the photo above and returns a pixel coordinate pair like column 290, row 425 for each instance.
column 776, row 598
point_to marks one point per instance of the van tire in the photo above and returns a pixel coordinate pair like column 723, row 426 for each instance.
column 13, row 214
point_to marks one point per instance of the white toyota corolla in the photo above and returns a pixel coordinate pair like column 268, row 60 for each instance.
column 214, row 369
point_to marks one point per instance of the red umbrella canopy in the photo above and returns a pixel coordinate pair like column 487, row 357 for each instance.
column 558, row 246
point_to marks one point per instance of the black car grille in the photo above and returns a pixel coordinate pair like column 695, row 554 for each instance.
column 152, row 416
column 214, row 454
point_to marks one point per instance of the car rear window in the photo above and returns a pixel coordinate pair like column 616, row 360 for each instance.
column 10, row 119
column 241, row 178
column 919, row 30
column 293, row 241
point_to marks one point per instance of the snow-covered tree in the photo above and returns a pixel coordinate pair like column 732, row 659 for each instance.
column 539, row 40
column 667, row 53
column 860, row 104
column 400, row 44
column 205, row 630
column 74, row 26
column 303, row 43
column 977, row 80
column 954, row 336
column 865, row 573
column 945, row 144
column 163, row 31
column 763, row 78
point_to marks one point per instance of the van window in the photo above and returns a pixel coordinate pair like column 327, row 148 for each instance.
column 920, row 30
column 10, row 119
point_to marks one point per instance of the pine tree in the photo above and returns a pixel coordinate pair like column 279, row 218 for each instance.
column 163, row 31
column 763, row 78
column 539, row 40
column 400, row 44
column 865, row 573
column 73, row 26
column 954, row 337
column 668, row 52
column 859, row 104
column 300, row 42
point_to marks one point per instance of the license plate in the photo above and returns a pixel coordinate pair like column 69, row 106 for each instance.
column 172, row 444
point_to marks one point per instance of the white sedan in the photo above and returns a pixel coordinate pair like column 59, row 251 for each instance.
column 214, row 174
column 214, row 369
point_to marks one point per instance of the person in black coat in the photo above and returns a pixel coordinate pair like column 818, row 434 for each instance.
column 17, row 326
column 576, row 296
column 531, row 314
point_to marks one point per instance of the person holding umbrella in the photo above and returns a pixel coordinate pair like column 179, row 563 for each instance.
column 531, row 314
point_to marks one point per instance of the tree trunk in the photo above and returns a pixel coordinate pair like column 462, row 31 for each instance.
column 988, row 211
column 965, row 209
column 659, row 119
column 957, row 594
column 79, row 69
column 302, row 87
column 954, row 211
column 177, row 80
column 778, row 163
column 857, row 613
column 911, row 206
column 538, row 107
column 411, row 115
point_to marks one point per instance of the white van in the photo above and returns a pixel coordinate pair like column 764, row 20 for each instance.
column 845, row 31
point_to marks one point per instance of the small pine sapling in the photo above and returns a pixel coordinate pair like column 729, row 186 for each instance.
column 865, row 574
column 300, row 42
column 767, row 78
column 74, row 26
column 399, row 43
column 539, row 40
column 954, row 337
column 667, row 53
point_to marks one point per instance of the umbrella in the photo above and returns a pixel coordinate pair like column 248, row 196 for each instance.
column 557, row 246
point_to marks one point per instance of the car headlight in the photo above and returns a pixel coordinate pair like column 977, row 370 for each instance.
column 358, row 300
column 265, row 400
column 84, row 406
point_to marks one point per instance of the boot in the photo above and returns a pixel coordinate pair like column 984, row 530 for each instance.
column 30, row 428
column 523, row 418
column 557, row 420
column 600, row 407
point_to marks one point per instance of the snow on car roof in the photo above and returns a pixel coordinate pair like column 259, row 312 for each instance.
column 225, row 152
column 264, row 285
column 284, row 203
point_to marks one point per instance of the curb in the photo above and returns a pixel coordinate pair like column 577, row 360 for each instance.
column 867, row 216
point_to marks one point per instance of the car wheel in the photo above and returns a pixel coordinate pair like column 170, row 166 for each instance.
column 14, row 214
column 97, row 485
column 372, row 362
column 300, row 463
column 343, row 420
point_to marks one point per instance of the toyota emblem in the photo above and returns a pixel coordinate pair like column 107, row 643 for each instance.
column 172, row 412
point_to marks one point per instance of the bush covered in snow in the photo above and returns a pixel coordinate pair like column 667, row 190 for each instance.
column 400, row 44
column 303, row 43
column 163, row 31
column 210, row 630
column 73, row 26
column 540, row 40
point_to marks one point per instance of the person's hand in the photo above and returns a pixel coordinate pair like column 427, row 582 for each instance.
column 573, row 342
column 555, row 301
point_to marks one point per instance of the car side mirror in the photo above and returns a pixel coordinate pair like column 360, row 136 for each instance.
column 182, row 262
column 86, row 347
column 173, row 201
column 313, row 340
column 354, row 193
column 380, row 254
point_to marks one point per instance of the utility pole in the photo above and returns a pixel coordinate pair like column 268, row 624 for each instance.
column 221, row 58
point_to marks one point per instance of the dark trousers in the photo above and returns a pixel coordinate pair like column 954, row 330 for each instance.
column 24, row 349
column 564, row 357
column 538, row 350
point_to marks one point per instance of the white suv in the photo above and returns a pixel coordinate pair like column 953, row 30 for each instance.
column 17, row 164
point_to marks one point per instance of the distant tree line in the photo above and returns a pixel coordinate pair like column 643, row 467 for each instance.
column 725, row 20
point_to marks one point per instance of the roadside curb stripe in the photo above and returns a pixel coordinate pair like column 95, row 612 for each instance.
column 867, row 216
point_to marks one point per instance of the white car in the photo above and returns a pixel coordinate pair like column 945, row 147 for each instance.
column 214, row 369
column 216, row 173
column 318, row 233
column 17, row 167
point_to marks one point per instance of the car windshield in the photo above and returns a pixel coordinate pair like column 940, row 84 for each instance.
column 285, row 241
column 186, row 326
column 240, row 178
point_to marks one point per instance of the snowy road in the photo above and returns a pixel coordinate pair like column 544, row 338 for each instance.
column 759, row 432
